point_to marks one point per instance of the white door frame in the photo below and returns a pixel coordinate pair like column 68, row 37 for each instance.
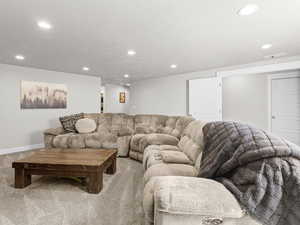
column 277, row 76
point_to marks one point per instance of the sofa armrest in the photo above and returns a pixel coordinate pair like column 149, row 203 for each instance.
column 55, row 131
column 123, row 146
column 205, row 199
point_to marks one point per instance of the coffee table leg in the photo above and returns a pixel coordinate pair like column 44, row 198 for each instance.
column 22, row 179
column 95, row 182
column 113, row 167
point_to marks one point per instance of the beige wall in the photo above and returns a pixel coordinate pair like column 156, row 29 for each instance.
column 111, row 100
column 245, row 99
column 25, row 127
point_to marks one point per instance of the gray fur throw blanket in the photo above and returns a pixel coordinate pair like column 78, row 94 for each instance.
column 261, row 170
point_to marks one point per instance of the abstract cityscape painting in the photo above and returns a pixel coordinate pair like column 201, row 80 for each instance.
column 38, row 95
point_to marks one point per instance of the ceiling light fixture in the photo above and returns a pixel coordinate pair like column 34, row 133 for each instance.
column 248, row 10
column 128, row 85
column 85, row 68
column 126, row 75
column 131, row 52
column 173, row 66
column 266, row 46
column 44, row 25
column 19, row 57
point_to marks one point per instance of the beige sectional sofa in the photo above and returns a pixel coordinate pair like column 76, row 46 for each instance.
column 170, row 148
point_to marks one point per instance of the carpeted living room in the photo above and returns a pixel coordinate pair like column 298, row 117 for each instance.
column 156, row 112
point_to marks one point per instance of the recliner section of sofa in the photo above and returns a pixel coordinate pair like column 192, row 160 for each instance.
column 156, row 130
column 175, row 195
column 181, row 160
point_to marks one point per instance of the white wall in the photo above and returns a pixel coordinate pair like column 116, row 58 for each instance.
column 159, row 96
column 168, row 95
column 111, row 99
column 246, row 98
column 22, row 127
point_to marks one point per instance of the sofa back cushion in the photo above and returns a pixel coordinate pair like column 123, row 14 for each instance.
column 181, row 124
column 175, row 125
column 191, row 142
column 93, row 116
column 114, row 122
column 169, row 125
column 146, row 124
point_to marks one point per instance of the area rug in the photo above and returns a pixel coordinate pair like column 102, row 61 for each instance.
column 61, row 201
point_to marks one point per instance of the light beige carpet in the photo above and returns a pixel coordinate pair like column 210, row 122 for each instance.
column 57, row 201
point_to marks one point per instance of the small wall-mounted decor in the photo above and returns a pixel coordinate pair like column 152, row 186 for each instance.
column 122, row 97
column 38, row 95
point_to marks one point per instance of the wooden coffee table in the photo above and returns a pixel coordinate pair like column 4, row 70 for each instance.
column 89, row 163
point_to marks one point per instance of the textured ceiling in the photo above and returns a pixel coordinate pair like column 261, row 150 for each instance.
column 194, row 34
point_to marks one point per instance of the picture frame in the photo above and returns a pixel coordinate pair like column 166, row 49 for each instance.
column 41, row 95
column 122, row 97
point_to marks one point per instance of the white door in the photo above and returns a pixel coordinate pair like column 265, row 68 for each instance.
column 205, row 98
column 286, row 108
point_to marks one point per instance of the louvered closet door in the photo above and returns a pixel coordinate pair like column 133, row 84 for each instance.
column 286, row 108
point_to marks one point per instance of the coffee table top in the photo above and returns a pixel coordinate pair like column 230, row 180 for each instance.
column 78, row 157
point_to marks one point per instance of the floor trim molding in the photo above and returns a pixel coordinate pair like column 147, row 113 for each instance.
column 5, row 151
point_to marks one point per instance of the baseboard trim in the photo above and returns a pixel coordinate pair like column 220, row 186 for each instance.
column 6, row 151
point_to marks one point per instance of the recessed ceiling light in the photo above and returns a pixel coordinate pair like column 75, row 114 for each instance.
column 126, row 75
column 266, row 46
column 85, row 68
column 173, row 66
column 248, row 10
column 128, row 85
column 131, row 52
column 19, row 57
column 44, row 25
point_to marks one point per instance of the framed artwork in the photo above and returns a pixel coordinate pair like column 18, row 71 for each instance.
column 38, row 95
column 122, row 97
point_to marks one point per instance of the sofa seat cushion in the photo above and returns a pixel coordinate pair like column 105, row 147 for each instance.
column 62, row 141
column 93, row 140
column 164, row 169
column 139, row 142
column 152, row 154
column 190, row 196
column 175, row 157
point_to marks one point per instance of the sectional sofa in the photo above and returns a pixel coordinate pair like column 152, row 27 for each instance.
column 170, row 148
